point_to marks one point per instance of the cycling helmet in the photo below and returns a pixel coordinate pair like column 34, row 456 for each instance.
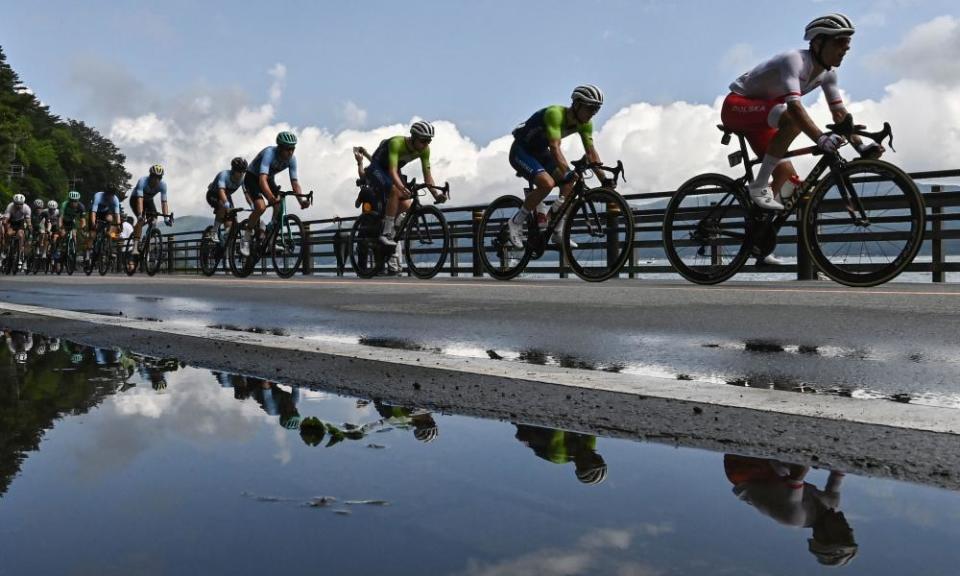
column 422, row 129
column 73, row 195
column 20, row 357
column 588, row 94
column 40, row 349
column 19, row 199
column 52, row 204
column 38, row 203
column 54, row 344
column 76, row 358
column 286, row 139
column 156, row 170
column 592, row 474
column 835, row 24
column 238, row 164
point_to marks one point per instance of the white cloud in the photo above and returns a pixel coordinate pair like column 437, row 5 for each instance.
column 930, row 52
column 353, row 115
column 660, row 145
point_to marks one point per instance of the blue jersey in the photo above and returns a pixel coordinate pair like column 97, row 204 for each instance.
column 143, row 189
column 102, row 202
column 269, row 162
column 223, row 180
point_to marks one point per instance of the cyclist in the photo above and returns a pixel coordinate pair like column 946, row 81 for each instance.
column 536, row 155
column 37, row 222
column 259, row 181
column 72, row 212
column 220, row 191
column 53, row 223
column 764, row 105
column 142, row 201
column 17, row 216
column 561, row 447
column 106, row 206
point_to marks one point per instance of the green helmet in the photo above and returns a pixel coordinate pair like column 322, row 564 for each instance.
column 287, row 139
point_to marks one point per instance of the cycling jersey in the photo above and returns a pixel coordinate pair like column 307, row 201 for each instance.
column 786, row 77
column 548, row 125
column 37, row 218
column 71, row 212
column 268, row 162
column 17, row 214
column 143, row 189
column 224, row 181
column 52, row 216
column 396, row 153
column 103, row 203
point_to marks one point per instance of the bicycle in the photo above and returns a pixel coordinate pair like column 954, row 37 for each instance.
column 282, row 240
column 422, row 231
column 219, row 244
column 103, row 251
column 598, row 220
column 14, row 254
column 150, row 246
column 38, row 260
column 66, row 253
column 711, row 228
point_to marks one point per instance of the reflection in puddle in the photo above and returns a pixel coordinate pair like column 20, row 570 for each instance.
column 268, row 453
column 250, row 329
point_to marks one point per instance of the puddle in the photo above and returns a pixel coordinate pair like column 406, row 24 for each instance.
column 250, row 329
column 167, row 460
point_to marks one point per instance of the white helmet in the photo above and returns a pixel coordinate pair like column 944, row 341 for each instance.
column 38, row 203
column 52, row 204
column 421, row 129
column 588, row 94
column 19, row 199
column 835, row 24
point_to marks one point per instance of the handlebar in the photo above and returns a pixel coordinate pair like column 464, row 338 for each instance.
column 583, row 165
column 415, row 188
column 308, row 195
column 847, row 128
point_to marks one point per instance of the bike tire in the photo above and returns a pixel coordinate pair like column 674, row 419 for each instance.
column 69, row 257
column 366, row 254
column 692, row 223
column 500, row 259
column 153, row 252
column 286, row 250
column 423, row 229
column 242, row 266
column 106, row 257
column 893, row 201
column 600, row 213
column 210, row 252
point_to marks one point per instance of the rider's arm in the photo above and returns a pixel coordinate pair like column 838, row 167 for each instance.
column 163, row 199
column 264, row 175
column 428, row 174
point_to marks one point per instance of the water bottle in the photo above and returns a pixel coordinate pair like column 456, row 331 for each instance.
column 542, row 217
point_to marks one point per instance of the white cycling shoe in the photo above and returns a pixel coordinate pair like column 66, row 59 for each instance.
column 772, row 260
column 516, row 233
column 765, row 199
column 557, row 238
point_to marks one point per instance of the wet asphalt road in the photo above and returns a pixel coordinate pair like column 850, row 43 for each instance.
column 899, row 341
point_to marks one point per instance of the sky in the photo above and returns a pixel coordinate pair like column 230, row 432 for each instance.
column 192, row 84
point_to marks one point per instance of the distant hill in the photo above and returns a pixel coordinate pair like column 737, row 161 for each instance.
column 188, row 224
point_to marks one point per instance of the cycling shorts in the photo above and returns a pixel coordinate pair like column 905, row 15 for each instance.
column 252, row 184
column 213, row 199
column 756, row 120
column 149, row 207
column 528, row 164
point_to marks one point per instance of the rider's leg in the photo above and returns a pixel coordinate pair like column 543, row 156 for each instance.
column 389, row 216
column 760, row 190
column 259, row 207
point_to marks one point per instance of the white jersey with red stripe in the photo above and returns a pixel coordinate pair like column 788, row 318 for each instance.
column 787, row 77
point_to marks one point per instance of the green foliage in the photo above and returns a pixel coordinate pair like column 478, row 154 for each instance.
column 52, row 151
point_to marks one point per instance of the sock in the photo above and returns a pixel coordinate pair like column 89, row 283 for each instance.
column 388, row 226
column 521, row 216
column 765, row 172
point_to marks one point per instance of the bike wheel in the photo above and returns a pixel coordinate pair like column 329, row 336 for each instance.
column 68, row 259
column 426, row 241
column 153, row 252
column 499, row 257
column 210, row 252
column 601, row 224
column 864, row 251
column 106, row 256
column 706, row 229
column 130, row 261
column 287, row 249
column 242, row 266
column 13, row 256
column 366, row 254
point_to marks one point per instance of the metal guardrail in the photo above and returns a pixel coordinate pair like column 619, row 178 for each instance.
column 326, row 250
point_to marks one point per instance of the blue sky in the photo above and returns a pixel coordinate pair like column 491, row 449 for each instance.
column 482, row 64
column 192, row 84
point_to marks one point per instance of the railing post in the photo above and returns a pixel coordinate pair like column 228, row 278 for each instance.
column 170, row 269
column 805, row 268
column 936, row 237
column 454, row 257
column 613, row 234
column 307, row 251
column 477, row 243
